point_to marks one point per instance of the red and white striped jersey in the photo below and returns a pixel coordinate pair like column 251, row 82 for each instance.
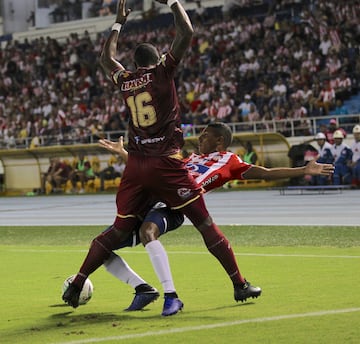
column 215, row 169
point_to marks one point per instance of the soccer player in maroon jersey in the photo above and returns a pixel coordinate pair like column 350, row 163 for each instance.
column 212, row 168
column 154, row 167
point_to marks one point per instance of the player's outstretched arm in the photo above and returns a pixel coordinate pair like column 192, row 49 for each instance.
column 183, row 27
column 115, row 147
column 108, row 53
column 312, row 168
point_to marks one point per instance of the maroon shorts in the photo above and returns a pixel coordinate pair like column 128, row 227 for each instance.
column 146, row 179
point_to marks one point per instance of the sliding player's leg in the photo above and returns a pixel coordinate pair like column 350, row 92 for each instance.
column 219, row 246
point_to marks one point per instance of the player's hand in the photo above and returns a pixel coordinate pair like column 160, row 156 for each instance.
column 115, row 147
column 314, row 168
column 122, row 12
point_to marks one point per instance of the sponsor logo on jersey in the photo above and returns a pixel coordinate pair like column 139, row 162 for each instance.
column 135, row 84
column 141, row 141
column 196, row 168
column 209, row 180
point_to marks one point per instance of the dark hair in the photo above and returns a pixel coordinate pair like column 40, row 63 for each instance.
column 145, row 55
column 223, row 130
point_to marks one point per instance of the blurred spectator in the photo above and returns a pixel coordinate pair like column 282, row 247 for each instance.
column 330, row 130
column 250, row 155
column 333, row 65
column 343, row 87
column 325, row 44
column 31, row 18
column 245, row 107
column 35, row 142
column 340, row 108
column 324, row 156
column 151, row 13
column 326, row 98
column 114, row 170
column 355, row 164
column 67, row 10
column 199, row 16
column 253, row 115
column 279, row 95
column 56, row 176
column 108, row 7
column 299, row 113
column 224, row 111
column 342, row 160
column 82, row 173
column 262, row 95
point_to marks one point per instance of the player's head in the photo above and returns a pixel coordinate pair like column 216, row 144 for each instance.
column 146, row 55
column 216, row 136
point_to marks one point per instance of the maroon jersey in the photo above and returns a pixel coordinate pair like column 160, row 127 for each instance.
column 150, row 96
column 154, row 178
column 65, row 170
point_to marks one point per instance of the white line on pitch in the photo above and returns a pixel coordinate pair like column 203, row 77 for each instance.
column 212, row 326
column 193, row 252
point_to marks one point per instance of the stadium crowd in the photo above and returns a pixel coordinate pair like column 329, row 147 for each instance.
column 289, row 62
column 83, row 174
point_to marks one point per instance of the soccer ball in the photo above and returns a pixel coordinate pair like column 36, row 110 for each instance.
column 86, row 292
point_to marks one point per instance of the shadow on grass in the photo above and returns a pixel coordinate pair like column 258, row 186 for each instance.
column 70, row 323
column 221, row 308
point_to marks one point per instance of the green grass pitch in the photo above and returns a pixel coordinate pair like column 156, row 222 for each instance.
column 310, row 278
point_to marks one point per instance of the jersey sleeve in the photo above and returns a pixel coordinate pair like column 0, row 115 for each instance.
column 116, row 75
column 238, row 167
column 169, row 63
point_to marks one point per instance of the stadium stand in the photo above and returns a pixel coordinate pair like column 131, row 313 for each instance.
column 53, row 90
column 288, row 56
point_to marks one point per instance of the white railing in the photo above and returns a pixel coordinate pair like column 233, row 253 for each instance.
column 287, row 127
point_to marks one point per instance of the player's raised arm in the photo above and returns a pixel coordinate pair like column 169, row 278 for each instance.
column 108, row 53
column 183, row 27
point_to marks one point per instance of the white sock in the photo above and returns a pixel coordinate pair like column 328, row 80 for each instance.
column 118, row 267
column 160, row 262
